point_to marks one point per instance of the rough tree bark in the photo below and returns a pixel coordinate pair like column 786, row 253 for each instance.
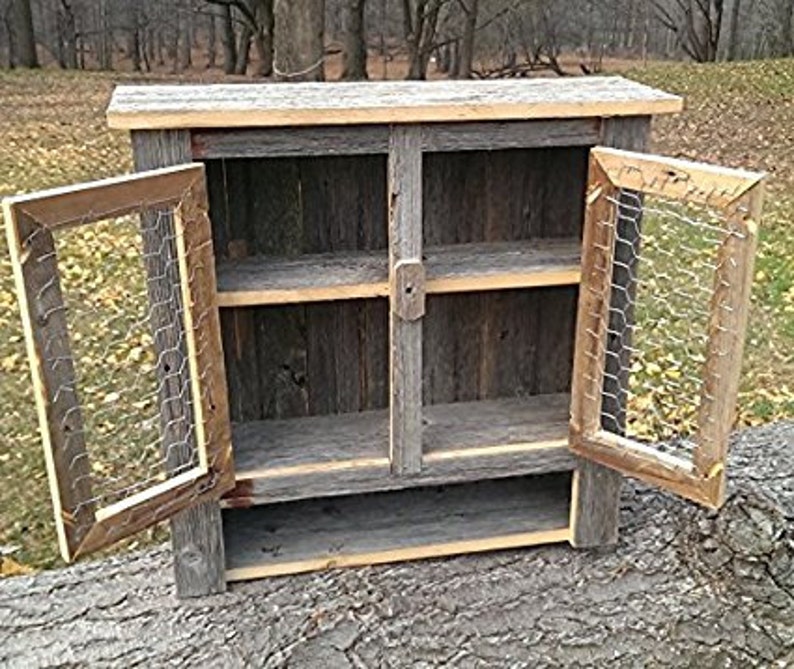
column 697, row 25
column 684, row 588
column 212, row 40
column 23, row 42
column 471, row 9
column 733, row 37
column 243, row 49
column 263, row 37
column 299, row 40
column 354, row 42
column 420, row 21
column 227, row 39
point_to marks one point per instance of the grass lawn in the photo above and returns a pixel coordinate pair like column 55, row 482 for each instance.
column 54, row 133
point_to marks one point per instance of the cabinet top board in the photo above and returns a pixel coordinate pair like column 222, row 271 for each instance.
column 381, row 102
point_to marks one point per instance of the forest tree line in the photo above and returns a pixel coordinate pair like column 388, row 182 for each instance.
column 293, row 39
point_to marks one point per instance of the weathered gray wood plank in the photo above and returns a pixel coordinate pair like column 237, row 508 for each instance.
column 340, row 454
column 385, row 527
column 196, row 533
column 405, row 246
column 363, row 140
column 360, row 274
column 382, row 102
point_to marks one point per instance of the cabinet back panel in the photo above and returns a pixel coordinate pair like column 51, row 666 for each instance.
column 306, row 359
column 519, row 343
column 289, row 361
column 290, row 206
column 512, row 343
column 488, row 196
column 299, row 360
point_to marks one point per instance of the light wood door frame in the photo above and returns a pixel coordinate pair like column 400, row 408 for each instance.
column 738, row 196
column 31, row 221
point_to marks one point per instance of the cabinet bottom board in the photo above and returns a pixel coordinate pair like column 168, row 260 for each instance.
column 376, row 528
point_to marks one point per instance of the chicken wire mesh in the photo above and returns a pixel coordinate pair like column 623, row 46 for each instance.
column 127, row 416
column 661, row 294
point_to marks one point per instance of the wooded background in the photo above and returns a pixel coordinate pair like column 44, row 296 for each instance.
column 294, row 39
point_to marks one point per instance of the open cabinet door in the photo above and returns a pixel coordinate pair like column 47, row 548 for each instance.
column 667, row 266
column 116, row 285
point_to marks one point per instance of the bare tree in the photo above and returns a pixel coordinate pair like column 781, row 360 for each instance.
column 21, row 36
column 466, row 56
column 354, row 44
column 299, row 35
column 420, row 21
column 696, row 24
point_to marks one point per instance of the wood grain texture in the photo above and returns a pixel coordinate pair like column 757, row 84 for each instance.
column 195, row 533
column 364, row 140
column 38, row 288
column 386, row 527
column 405, row 246
column 729, row 309
column 298, row 360
column 674, row 178
column 503, row 343
column 341, row 454
column 107, row 198
column 382, row 102
column 455, row 268
column 203, row 336
column 596, row 497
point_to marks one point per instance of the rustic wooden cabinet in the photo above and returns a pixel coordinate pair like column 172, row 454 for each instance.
column 462, row 206
column 398, row 269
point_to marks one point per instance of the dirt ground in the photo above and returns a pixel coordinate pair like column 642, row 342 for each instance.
column 684, row 588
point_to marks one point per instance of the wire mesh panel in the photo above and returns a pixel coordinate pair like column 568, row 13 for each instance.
column 666, row 272
column 116, row 287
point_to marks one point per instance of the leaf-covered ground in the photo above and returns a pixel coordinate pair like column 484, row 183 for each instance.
column 53, row 132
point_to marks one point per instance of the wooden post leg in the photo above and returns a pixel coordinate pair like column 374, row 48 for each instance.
column 197, row 533
column 407, row 298
column 595, row 501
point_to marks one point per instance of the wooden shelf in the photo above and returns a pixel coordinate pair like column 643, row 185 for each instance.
column 348, row 453
column 264, row 280
column 304, row 536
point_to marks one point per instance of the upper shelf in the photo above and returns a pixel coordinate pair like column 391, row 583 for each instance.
column 382, row 102
column 261, row 280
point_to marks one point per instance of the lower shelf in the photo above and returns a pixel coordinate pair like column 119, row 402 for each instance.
column 308, row 535
column 349, row 453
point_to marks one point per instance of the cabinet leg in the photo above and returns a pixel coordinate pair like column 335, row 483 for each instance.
column 199, row 559
column 595, row 505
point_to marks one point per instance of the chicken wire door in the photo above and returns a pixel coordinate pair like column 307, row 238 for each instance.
column 116, row 284
column 667, row 266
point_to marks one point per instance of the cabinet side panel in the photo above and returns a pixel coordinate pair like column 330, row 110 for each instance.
column 501, row 343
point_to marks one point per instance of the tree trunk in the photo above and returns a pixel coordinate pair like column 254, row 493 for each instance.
column 419, row 26
column 354, row 43
column 684, row 587
column 227, row 39
column 23, row 39
column 733, row 37
column 105, row 37
column 67, row 34
column 467, row 43
column 299, row 40
column 263, row 37
column 134, row 37
column 243, row 49
column 185, row 38
column 212, row 40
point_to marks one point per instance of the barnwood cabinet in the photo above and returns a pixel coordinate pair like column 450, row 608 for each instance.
column 397, row 274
